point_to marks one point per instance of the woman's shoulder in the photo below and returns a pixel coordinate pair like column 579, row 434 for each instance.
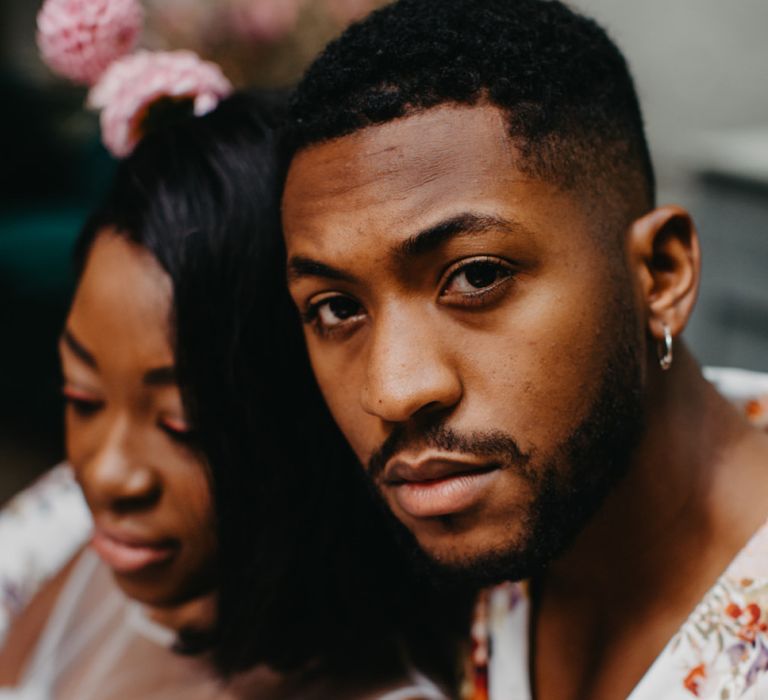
column 27, row 628
column 418, row 688
column 407, row 684
column 41, row 529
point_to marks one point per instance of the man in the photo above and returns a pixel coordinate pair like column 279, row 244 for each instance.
column 493, row 304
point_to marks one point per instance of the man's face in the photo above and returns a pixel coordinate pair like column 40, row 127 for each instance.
column 474, row 336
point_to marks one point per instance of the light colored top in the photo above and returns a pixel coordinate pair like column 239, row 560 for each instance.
column 41, row 529
column 99, row 645
column 719, row 653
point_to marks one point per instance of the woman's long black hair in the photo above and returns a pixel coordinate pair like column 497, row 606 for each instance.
column 309, row 573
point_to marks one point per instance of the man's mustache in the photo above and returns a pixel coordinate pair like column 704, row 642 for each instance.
column 492, row 443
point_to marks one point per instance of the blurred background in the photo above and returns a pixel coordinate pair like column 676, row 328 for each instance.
column 700, row 67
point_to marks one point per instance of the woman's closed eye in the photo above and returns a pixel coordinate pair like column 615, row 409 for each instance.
column 82, row 402
column 176, row 428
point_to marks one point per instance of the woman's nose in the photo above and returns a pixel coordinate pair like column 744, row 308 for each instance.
column 117, row 475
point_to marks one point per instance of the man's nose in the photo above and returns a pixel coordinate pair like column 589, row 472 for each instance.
column 408, row 369
column 117, row 475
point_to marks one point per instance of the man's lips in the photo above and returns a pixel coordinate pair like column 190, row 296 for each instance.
column 126, row 553
column 437, row 486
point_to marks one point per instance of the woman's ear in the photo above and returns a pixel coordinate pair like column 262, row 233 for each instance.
column 664, row 255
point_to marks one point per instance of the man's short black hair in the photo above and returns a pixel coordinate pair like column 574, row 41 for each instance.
column 565, row 87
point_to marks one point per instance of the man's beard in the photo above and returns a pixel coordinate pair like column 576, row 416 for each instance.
column 568, row 489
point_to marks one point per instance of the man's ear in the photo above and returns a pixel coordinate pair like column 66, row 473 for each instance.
column 665, row 258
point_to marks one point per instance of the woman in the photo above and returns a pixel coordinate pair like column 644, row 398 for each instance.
column 131, row 623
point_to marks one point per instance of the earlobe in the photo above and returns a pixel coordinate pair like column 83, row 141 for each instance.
column 665, row 257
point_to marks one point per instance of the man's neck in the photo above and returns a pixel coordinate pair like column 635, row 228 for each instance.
column 695, row 493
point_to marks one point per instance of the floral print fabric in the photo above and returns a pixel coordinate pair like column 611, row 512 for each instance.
column 720, row 652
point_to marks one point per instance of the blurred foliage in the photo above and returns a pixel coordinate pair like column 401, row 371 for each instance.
column 264, row 43
column 48, row 144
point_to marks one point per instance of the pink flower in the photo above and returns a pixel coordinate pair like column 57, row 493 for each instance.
column 78, row 39
column 131, row 85
column 263, row 20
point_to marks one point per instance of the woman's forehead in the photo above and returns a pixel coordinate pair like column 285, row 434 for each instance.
column 122, row 306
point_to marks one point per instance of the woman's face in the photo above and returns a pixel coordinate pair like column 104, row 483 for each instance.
column 127, row 434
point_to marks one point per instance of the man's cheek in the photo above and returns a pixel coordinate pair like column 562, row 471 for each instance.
column 354, row 432
column 347, row 414
column 331, row 384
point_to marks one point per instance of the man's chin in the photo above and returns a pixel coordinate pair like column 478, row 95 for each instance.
column 464, row 552
column 457, row 568
column 471, row 558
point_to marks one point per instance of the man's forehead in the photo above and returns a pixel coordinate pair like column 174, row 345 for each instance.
column 409, row 152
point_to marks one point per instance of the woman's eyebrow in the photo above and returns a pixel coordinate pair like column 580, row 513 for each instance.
column 160, row 376
column 78, row 349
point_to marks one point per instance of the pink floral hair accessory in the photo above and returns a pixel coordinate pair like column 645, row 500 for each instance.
column 131, row 85
column 79, row 39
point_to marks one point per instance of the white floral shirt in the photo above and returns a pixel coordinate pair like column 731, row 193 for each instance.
column 719, row 653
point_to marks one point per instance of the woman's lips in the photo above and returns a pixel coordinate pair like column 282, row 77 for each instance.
column 125, row 555
column 446, row 489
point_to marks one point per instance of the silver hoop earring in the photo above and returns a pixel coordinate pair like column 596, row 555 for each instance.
column 665, row 349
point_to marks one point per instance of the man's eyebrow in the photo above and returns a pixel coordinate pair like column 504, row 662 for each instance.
column 160, row 376
column 300, row 266
column 461, row 225
column 78, row 349
column 419, row 243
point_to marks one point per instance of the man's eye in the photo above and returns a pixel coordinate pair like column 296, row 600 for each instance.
column 333, row 312
column 476, row 277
